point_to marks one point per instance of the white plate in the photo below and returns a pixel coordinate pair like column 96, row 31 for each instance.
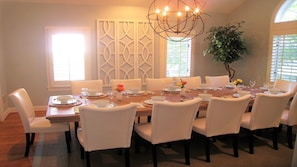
column 267, row 92
column 236, row 95
column 151, row 101
column 169, row 90
column 263, row 88
column 230, row 86
column 96, row 94
column 65, row 100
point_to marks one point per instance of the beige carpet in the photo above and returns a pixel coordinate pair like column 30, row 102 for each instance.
column 51, row 152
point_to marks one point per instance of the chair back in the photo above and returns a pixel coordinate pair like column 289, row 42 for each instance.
column 107, row 128
column 172, row 121
column 90, row 84
column 217, row 81
column 192, row 82
column 224, row 115
column 286, row 86
column 292, row 114
column 128, row 83
column 267, row 110
column 155, row 84
column 24, row 106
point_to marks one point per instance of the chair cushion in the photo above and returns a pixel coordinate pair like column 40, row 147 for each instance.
column 41, row 124
column 144, row 131
column 245, row 121
column 199, row 126
column 285, row 116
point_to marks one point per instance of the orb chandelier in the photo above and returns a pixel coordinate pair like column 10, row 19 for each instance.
column 177, row 18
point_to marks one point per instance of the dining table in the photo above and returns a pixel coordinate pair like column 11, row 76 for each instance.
column 70, row 112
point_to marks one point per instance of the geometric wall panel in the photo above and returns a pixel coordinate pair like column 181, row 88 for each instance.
column 124, row 50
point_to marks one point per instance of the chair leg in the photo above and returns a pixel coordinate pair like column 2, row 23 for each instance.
column 154, row 152
column 32, row 138
column 82, row 152
column 75, row 128
column 251, row 141
column 289, row 136
column 88, row 158
column 187, row 151
column 235, row 145
column 27, row 144
column 67, row 137
column 207, row 147
column 127, row 157
column 137, row 140
column 275, row 132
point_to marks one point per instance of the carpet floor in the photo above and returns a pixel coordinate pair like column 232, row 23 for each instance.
column 51, row 152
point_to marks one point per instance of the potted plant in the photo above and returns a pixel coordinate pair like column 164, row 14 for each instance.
column 226, row 45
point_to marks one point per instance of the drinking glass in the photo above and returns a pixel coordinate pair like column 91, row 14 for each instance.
column 110, row 94
column 84, row 94
column 252, row 84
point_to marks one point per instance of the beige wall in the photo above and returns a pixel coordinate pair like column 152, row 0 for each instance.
column 24, row 47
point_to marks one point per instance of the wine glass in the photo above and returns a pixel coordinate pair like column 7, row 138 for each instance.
column 84, row 94
column 252, row 84
column 110, row 94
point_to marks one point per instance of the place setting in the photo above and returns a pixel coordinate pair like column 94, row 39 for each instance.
column 64, row 101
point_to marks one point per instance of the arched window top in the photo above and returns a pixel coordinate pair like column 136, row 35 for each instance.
column 287, row 12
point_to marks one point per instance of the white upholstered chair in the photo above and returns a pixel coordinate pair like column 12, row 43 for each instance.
column 217, row 81
column 76, row 86
column 192, row 82
column 128, row 83
column 33, row 124
column 155, row 84
column 266, row 113
column 223, row 117
column 171, row 121
column 106, row 128
column 286, row 86
column 289, row 118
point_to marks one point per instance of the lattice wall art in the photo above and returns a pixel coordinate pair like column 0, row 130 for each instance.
column 124, row 50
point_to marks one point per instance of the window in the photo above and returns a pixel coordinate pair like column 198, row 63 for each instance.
column 67, row 56
column 283, row 61
column 178, row 63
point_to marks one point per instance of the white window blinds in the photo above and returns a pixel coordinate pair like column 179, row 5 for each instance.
column 284, row 58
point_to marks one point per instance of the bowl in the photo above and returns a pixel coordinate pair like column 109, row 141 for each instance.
column 243, row 93
column 158, row 98
column 101, row 103
column 64, row 98
column 134, row 90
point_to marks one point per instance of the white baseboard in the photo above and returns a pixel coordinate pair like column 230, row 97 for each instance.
column 13, row 110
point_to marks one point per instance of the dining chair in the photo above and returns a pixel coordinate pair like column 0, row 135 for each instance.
column 171, row 121
column 289, row 118
column 128, row 83
column 77, row 85
column 286, row 86
column 223, row 117
column 217, row 81
column 106, row 128
column 266, row 113
column 33, row 124
column 157, row 84
column 192, row 82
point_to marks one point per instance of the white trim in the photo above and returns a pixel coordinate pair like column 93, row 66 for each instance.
column 14, row 110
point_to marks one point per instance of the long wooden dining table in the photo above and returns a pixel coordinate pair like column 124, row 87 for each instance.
column 70, row 113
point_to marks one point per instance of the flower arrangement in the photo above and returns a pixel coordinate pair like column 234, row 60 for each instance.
column 119, row 88
column 182, row 83
column 237, row 81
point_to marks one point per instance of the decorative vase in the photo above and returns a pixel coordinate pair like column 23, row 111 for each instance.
column 119, row 96
column 182, row 92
